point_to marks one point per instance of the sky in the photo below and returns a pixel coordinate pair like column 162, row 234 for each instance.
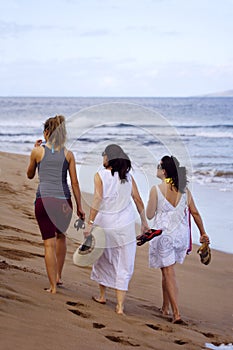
column 126, row 48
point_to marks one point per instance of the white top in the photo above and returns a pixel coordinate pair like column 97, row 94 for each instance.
column 172, row 245
column 116, row 214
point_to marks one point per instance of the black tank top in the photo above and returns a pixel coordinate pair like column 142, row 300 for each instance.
column 52, row 171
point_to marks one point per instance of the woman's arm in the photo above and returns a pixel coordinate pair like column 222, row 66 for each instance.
column 35, row 157
column 97, row 199
column 140, row 206
column 98, row 195
column 152, row 203
column 197, row 218
column 75, row 184
column 31, row 170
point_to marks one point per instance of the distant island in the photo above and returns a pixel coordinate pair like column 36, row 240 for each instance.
column 228, row 93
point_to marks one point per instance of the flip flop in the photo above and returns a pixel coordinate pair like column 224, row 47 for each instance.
column 88, row 245
column 98, row 301
column 147, row 236
column 79, row 223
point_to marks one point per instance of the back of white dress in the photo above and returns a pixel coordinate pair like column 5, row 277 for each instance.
column 172, row 245
column 116, row 214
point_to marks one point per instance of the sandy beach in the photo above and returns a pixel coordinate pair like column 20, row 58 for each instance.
column 34, row 319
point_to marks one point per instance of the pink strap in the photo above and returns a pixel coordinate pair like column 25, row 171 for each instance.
column 190, row 234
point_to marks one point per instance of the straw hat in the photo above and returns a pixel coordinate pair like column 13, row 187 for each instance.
column 91, row 249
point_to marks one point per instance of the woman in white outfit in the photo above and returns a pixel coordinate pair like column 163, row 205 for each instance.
column 113, row 210
column 169, row 206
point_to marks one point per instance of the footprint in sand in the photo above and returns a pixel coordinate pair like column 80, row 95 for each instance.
column 122, row 340
column 181, row 341
column 77, row 311
column 74, row 303
column 208, row 335
column 159, row 327
column 98, row 325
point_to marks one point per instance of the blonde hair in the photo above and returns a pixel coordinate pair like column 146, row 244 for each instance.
column 56, row 129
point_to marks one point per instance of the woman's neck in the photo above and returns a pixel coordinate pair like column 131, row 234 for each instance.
column 51, row 146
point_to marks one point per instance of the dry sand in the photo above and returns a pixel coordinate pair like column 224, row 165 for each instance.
column 34, row 319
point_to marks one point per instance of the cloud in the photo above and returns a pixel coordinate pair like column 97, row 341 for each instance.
column 13, row 29
column 97, row 32
column 88, row 76
column 151, row 29
column 9, row 29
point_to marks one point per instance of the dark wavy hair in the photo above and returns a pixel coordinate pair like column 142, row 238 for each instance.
column 174, row 171
column 118, row 160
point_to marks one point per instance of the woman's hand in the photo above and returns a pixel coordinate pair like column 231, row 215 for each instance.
column 81, row 214
column 38, row 143
column 144, row 227
column 87, row 230
column 204, row 238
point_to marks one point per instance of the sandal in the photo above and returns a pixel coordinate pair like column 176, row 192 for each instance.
column 88, row 245
column 147, row 236
column 205, row 253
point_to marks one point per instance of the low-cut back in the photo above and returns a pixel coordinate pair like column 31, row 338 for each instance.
column 172, row 245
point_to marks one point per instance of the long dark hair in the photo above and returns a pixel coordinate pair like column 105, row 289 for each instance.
column 118, row 160
column 174, row 171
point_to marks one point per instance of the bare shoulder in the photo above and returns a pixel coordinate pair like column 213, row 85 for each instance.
column 189, row 196
column 153, row 194
column 188, row 192
column 153, row 190
column 97, row 177
column 69, row 155
column 37, row 153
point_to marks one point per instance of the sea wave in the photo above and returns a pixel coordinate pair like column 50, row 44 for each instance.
column 219, row 347
column 151, row 126
column 215, row 173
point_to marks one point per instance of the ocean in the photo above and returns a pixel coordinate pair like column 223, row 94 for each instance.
column 198, row 131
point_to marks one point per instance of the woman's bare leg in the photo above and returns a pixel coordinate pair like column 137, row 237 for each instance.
column 120, row 294
column 102, row 292
column 61, row 254
column 166, row 303
column 101, row 299
column 51, row 262
column 171, row 289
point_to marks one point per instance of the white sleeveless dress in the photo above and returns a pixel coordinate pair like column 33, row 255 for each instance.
column 172, row 245
column 117, row 217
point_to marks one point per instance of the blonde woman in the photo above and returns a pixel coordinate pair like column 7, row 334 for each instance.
column 53, row 205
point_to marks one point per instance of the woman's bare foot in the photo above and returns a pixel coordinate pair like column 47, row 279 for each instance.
column 164, row 312
column 99, row 300
column 50, row 290
column 120, row 310
column 179, row 321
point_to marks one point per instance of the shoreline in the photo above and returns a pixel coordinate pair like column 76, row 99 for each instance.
column 27, row 311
